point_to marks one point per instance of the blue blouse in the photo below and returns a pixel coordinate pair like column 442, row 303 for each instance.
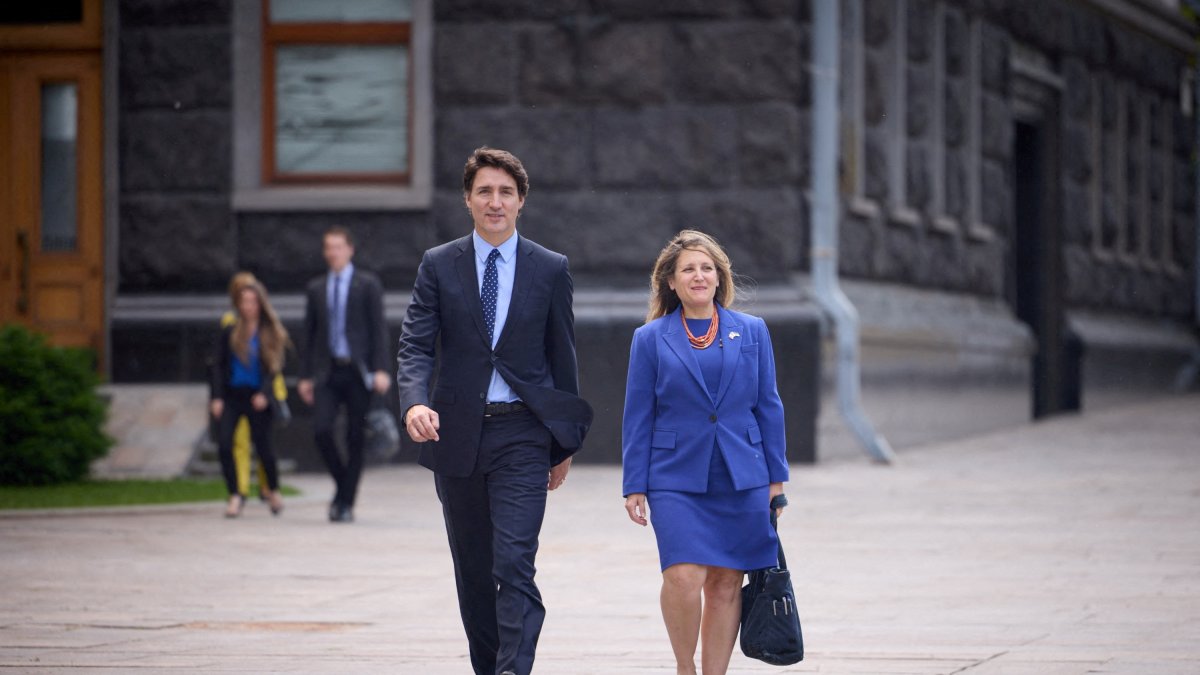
column 247, row 374
column 709, row 358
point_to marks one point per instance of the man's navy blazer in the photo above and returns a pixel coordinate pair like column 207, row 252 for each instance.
column 366, row 331
column 446, row 360
column 672, row 425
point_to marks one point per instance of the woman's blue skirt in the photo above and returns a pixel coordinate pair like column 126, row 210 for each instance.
column 724, row 527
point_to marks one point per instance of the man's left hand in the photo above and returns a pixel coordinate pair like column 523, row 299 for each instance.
column 558, row 474
column 382, row 382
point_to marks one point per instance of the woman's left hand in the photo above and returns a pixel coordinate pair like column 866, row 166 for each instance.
column 776, row 490
column 259, row 401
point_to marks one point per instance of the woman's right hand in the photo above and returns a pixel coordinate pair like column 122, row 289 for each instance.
column 217, row 407
column 635, row 506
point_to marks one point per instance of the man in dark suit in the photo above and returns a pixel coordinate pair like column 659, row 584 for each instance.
column 345, row 359
column 504, row 418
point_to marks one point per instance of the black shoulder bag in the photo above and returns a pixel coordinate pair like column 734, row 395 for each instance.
column 382, row 435
column 770, row 630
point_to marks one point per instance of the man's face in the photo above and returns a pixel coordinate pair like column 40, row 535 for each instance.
column 494, row 204
column 337, row 251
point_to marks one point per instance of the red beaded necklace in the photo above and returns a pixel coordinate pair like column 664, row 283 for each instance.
column 705, row 340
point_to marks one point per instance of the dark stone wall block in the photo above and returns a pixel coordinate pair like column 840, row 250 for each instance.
column 919, row 101
column 166, row 150
column 941, row 263
column 919, row 181
column 996, row 127
column 175, row 68
column 548, row 57
column 665, row 147
column 995, row 193
column 175, row 244
column 639, row 9
column 985, row 267
column 993, row 61
column 487, row 10
column 626, row 64
column 770, row 145
column 1077, row 215
column 469, row 74
column 920, row 30
column 742, row 61
column 856, row 243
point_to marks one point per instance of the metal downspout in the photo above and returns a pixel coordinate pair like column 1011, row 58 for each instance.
column 823, row 214
column 1190, row 372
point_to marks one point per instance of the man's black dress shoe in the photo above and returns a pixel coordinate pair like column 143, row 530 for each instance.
column 345, row 514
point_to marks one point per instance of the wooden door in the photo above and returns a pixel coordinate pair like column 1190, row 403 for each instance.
column 51, row 201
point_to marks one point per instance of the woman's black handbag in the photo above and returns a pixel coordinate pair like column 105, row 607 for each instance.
column 770, row 626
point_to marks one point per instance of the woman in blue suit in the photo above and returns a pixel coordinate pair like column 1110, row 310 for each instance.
column 702, row 445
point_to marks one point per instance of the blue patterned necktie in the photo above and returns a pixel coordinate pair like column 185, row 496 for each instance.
column 487, row 295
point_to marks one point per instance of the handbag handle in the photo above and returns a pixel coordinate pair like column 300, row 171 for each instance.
column 778, row 502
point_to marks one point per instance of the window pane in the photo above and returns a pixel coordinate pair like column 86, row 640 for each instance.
column 341, row 109
column 59, row 104
column 43, row 11
column 320, row 11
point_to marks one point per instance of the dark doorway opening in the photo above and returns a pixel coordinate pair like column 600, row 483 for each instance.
column 1035, row 288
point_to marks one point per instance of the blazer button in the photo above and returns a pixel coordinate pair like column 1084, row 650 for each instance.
column 482, row 395
column 712, row 418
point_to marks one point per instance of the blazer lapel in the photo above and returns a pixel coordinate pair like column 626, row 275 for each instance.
column 523, row 279
column 323, row 327
column 677, row 340
column 351, row 308
column 732, row 350
column 470, row 285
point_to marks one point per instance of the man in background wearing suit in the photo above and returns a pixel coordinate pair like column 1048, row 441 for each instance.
column 504, row 418
column 345, row 359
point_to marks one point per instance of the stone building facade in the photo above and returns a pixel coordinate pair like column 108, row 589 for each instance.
column 1019, row 212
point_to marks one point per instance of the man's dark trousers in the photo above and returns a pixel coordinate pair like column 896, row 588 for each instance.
column 344, row 387
column 493, row 518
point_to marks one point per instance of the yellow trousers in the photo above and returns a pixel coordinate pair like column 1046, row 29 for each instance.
column 241, row 459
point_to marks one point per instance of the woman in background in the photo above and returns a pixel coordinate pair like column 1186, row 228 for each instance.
column 250, row 354
column 241, row 435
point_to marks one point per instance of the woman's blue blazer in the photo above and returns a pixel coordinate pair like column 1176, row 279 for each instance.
column 672, row 425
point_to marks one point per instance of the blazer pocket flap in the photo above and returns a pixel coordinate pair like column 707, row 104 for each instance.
column 443, row 395
column 750, row 349
column 754, row 434
column 662, row 439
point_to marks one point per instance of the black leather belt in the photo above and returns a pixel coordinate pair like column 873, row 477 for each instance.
column 494, row 409
column 338, row 361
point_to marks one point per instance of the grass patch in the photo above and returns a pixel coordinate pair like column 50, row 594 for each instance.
column 118, row 493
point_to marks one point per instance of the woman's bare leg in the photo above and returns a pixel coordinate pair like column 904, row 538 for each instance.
column 722, row 615
column 681, row 611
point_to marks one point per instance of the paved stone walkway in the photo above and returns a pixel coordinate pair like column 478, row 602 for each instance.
column 1070, row 546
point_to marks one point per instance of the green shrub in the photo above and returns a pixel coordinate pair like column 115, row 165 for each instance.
column 51, row 418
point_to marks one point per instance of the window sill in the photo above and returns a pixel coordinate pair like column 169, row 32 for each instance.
column 333, row 198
